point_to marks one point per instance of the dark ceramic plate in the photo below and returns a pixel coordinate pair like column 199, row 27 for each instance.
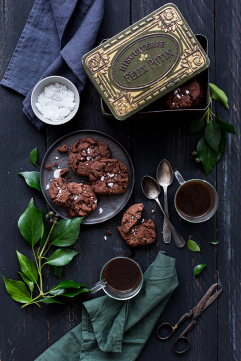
column 111, row 205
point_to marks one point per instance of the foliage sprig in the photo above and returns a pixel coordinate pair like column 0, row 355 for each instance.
column 34, row 228
column 213, row 142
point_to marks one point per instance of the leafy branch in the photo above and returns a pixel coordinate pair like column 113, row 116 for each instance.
column 213, row 142
column 34, row 228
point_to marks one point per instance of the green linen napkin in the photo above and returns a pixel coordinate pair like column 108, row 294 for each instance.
column 118, row 330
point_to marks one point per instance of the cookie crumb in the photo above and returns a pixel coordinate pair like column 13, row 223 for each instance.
column 153, row 212
column 63, row 149
column 108, row 232
column 100, row 211
column 105, row 238
column 48, row 166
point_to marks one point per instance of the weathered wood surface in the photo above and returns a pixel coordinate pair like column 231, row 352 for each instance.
column 25, row 334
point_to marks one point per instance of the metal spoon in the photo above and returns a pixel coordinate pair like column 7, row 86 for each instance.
column 151, row 190
column 164, row 176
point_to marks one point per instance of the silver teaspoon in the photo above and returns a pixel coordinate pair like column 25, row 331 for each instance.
column 164, row 176
column 151, row 190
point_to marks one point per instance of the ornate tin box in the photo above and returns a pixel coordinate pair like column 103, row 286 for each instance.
column 145, row 62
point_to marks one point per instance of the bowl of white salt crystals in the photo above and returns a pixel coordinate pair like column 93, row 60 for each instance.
column 55, row 100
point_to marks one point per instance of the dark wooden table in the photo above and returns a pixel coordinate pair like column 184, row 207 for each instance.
column 26, row 333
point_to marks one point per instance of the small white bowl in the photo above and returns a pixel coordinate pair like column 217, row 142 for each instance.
column 39, row 88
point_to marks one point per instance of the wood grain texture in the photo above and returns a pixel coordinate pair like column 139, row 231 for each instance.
column 168, row 139
column 228, row 75
column 23, row 331
column 27, row 333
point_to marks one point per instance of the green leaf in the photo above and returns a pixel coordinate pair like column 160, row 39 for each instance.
column 196, row 125
column 212, row 135
column 218, row 94
column 56, row 270
column 207, row 155
column 193, row 246
column 51, row 300
column 33, row 156
column 30, row 224
column 26, row 280
column 45, row 229
column 227, row 127
column 223, row 142
column 61, row 257
column 66, row 232
column 198, row 269
column 68, row 292
column 32, row 179
column 214, row 242
column 28, row 268
column 17, row 290
column 69, row 284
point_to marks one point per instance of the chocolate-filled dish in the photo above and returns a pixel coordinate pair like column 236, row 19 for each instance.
column 122, row 274
column 195, row 199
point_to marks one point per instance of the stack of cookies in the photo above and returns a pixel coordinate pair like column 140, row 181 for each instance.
column 91, row 158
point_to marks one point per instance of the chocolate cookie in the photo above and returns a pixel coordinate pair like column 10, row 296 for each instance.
column 189, row 95
column 83, row 200
column 63, row 149
column 59, row 193
column 131, row 217
column 86, row 151
column 140, row 235
column 108, row 176
column 78, row 198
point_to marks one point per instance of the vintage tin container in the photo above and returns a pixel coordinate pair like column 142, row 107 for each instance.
column 145, row 61
column 157, row 108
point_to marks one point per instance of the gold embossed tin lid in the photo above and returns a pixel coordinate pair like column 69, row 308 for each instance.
column 145, row 61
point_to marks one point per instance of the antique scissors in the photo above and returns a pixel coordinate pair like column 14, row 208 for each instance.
column 206, row 301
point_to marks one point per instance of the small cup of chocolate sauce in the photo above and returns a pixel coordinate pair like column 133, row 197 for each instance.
column 123, row 277
column 196, row 200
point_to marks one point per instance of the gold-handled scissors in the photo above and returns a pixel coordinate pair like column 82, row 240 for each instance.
column 206, row 301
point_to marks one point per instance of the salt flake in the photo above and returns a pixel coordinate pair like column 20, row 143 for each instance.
column 57, row 173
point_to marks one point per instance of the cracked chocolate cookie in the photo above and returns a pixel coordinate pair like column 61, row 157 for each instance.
column 189, row 95
column 131, row 217
column 140, row 234
column 108, row 176
column 133, row 233
column 84, row 152
column 78, row 198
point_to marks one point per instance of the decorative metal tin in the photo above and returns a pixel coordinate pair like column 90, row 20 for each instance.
column 145, row 61
column 157, row 109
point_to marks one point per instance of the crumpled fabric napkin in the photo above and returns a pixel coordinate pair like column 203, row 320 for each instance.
column 56, row 36
column 118, row 330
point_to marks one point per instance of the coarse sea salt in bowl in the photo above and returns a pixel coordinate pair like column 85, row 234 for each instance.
column 55, row 100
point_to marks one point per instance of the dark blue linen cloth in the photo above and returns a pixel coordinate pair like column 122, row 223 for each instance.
column 56, row 36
